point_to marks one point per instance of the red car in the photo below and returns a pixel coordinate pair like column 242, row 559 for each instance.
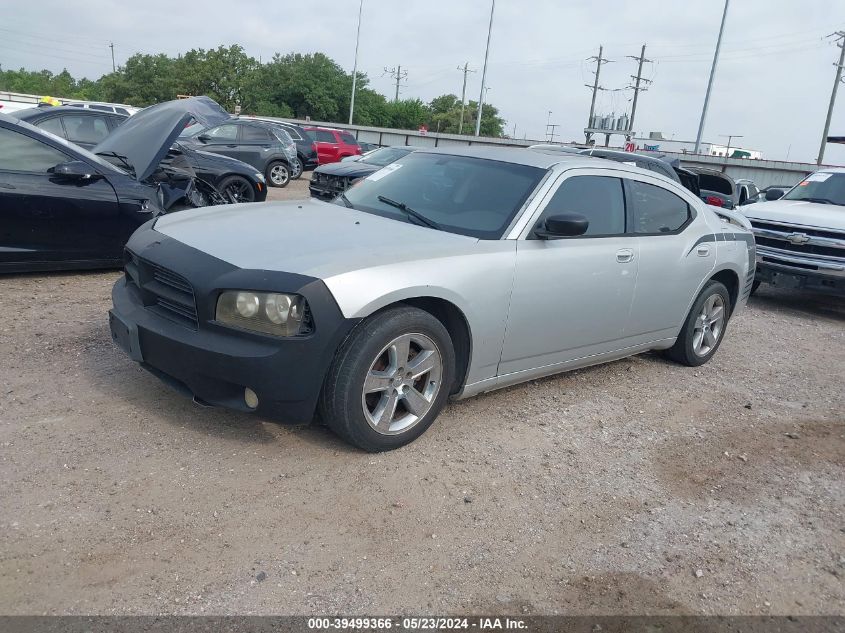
column 333, row 145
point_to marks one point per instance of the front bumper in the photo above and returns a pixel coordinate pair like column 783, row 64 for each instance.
column 214, row 363
column 326, row 187
column 796, row 271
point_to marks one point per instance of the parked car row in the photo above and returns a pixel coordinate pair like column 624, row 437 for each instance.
column 65, row 206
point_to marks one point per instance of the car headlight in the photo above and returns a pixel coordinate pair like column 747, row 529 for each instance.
column 258, row 177
column 265, row 312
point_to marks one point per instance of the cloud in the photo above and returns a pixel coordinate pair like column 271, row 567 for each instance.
column 772, row 85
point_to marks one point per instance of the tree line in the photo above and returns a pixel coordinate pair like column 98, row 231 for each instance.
column 292, row 86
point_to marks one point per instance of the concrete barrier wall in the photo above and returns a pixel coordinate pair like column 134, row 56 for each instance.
column 762, row 172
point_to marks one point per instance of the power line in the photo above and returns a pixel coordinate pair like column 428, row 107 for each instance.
column 595, row 87
column 638, row 79
column 398, row 75
column 839, row 37
column 465, row 70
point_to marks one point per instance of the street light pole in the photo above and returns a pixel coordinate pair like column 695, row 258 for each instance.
column 355, row 66
column 484, row 72
column 710, row 82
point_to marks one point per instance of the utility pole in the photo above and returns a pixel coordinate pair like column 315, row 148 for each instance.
column 398, row 75
column 355, row 65
column 595, row 87
column 730, row 138
column 839, row 36
column 710, row 81
column 465, row 70
column 111, row 46
column 636, row 87
column 484, row 70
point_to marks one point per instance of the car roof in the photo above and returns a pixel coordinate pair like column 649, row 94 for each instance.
column 528, row 157
column 66, row 109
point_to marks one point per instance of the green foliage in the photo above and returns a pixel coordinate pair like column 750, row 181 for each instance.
column 292, row 86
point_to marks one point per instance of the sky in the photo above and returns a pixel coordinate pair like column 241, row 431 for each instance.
column 772, row 84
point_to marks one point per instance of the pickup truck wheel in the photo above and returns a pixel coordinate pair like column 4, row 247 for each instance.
column 389, row 380
column 704, row 328
column 278, row 174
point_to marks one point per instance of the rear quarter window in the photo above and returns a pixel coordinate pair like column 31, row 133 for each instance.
column 656, row 210
column 347, row 138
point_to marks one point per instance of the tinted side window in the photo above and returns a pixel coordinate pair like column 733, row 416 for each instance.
column 86, row 129
column 101, row 107
column 52, row 125
column 254, row 133
column 293, row 132
column 122, row 111
column 598, row 198
column 656, row 210
column 223, row 132
column 347, row 138
column 324, row 136
column 22, row 153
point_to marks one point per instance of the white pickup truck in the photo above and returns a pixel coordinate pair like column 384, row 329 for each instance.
column 801, row 235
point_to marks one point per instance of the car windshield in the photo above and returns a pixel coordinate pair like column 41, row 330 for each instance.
column 191, row 130
column 461, row 194
column 823, row 187
column 385, row 156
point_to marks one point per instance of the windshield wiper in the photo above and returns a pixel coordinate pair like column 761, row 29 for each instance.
column 410, row 212
column 346, row 201
column 121, row 158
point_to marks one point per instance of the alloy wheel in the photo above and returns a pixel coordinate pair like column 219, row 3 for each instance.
column 279, row 175
column 402, row 383
column 709, row 325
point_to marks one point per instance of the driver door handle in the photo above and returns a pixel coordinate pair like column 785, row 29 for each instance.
column 624, row 255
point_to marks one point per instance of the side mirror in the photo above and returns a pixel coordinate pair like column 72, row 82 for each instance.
column 75, row 170
column 774, row 194
column 203, row 138
column 563, row 225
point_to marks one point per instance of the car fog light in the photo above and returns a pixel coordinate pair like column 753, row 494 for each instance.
column 250, row 398
column 278, row 308
column 246, row 304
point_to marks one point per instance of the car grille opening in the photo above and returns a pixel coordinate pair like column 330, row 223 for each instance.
column 807, row 249
column 162, row 291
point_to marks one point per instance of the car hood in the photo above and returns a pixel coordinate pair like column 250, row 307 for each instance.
column 308, row 237
column 145, row 138
column 348, row 169
column 810, row 214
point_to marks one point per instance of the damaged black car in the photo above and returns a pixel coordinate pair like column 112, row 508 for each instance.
column 64, row 207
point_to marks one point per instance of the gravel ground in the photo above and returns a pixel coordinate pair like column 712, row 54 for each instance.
column 634, row 487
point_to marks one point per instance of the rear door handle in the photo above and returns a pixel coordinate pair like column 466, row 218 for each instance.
column 624, row 255
column 703, row 250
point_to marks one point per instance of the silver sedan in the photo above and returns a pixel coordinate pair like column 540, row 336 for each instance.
column 446, row 274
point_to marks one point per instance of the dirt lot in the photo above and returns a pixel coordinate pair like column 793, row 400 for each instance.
column 635, row 487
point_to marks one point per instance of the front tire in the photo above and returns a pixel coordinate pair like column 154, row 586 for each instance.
column 278, row 174
column 389, row 380
column 237, row 189
column 704, row 328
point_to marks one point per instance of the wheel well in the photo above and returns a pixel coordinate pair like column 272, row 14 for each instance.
column 731, row 281
column 456, row 324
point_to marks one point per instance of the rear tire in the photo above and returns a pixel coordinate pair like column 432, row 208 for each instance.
column 278, row 174
column 704, row 327
column 389, row 380
column 296, row 169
